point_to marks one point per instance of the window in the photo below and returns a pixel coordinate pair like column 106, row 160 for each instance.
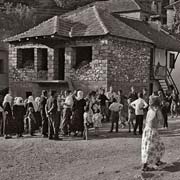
column 1, row 66
column 83, row 55
column 172, row 61
column 44, row 61
column 25, row 58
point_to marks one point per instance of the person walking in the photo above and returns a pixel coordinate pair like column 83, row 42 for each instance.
column 139, row 105
column 152, row 148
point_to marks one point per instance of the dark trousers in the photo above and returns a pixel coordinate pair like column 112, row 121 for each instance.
column 66, row 120
column 139, row 123
column 53, row 126
column 44, row 123
column 1, row 124
column 165, row 120
column 112, row 126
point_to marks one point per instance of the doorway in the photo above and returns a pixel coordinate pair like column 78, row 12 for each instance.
column 61, row 65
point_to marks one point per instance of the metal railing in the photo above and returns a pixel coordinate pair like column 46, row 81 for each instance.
column 170, row 82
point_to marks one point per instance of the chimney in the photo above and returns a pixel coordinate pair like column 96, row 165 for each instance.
column 155, row 25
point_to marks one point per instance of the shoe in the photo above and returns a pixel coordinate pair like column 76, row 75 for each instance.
column 50, row 138
column 148, row 169
column 8, row 137
column 160, row 163
column 44, row 135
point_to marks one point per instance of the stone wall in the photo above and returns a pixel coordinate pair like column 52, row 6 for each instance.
column 115, row 62
column 128, row 64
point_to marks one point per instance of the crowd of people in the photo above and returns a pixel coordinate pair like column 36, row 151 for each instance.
column 71, row 113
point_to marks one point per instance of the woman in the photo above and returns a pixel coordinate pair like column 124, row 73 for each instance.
column 31, row 104
column 77, row 123
column 8, row 117
column 152, row 148
column 38, row 114
column 19, row 113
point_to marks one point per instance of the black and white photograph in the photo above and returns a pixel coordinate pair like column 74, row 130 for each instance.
column 89, row 89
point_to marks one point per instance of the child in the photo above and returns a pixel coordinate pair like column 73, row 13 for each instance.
column 131, row 115
column 87, row 122
column 164, row 109
column 31, row 121
column 97, row 118
column 115, row 109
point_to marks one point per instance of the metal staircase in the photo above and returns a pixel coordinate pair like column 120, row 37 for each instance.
column 168, row 82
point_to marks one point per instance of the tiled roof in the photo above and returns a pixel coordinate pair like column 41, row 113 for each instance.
column 170, row 6
column 159, row 38
column 119, row 6
column 87, row 22
column 92, row 21
column 116, row 5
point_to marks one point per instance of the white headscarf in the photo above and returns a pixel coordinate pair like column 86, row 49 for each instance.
column 80, row 95
column 19, row 101
column 31, row 100
column 8, row 98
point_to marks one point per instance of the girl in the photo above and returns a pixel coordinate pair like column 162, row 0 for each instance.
column 115, row 109
column 131, row 115
column 87, row 122
column 31, row 121
column 97, row 118
column 152, row 149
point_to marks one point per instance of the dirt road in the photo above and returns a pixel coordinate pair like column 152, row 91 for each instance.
column 108, row 157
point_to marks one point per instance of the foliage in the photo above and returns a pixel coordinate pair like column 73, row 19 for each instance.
column 72, row 4
column 16, row 19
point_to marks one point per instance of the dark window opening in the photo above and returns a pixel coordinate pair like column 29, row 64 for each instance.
column 25, row 58
column 44, row 60
column 83, row 56
column 172, row 61
column 1, row 66
column 28, row 93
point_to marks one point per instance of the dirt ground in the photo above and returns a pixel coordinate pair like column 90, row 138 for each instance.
column 108, row 157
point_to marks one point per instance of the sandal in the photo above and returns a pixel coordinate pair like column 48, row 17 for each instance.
column 160, row 163
column 148, row 168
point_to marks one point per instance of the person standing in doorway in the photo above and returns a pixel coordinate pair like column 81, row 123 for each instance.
column 139, row 105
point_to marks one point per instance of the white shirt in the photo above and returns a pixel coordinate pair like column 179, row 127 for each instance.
column 68, row 102
column 139, row 105
column 115, row 107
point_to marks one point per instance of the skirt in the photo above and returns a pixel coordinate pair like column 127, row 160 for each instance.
column 152, row 148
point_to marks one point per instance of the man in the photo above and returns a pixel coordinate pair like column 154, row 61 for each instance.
column 102, row 101
column 52, row 114
column 43, row 101
column 67, row 112
column 110, row 95
column 139, row 105
column 133, row 95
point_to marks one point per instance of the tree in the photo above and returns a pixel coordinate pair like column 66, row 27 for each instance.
column 72, row 4
column 16, row 19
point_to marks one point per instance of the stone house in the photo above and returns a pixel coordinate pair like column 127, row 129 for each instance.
column 89, row 48
column 3, row 66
